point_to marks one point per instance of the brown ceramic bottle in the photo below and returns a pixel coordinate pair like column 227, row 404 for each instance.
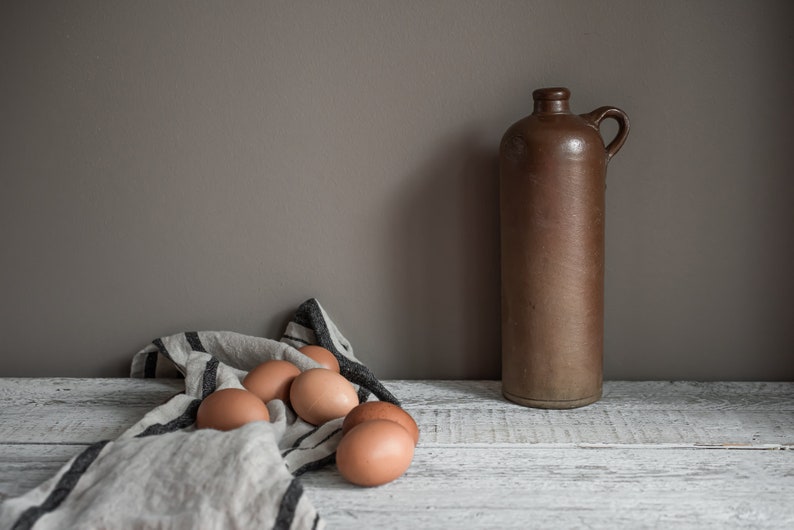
column 552, row 184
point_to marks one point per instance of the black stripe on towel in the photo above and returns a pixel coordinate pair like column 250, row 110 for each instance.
column 326, row 438
column 289, row 503
column 186, row 419
column 150, row 367
column 194, row 341
column 163, row 350
column 317, row 464
column 65, row 485
column 297, row 443
column 160, row 345
column 294, row 338
column 354, row 372
column 210, row 382
column 302, row 316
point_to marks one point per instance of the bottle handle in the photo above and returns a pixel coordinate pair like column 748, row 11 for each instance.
column 602, row 113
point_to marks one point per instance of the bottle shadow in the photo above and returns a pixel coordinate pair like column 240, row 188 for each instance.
column 445, row 269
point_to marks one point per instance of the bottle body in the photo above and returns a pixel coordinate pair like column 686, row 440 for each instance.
column 552, row 200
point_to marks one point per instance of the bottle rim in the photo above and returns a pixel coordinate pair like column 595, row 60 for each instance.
column 551, row 94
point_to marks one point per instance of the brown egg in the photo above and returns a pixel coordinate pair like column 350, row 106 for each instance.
column 322, row 356
column 381, row 410
column 374, row 452
column 271, row 380
column 319, row 395
column 229, row 408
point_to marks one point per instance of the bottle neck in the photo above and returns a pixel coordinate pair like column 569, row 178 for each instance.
column 552, row 106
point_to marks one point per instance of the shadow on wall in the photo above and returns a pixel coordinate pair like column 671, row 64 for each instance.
column 775, row 251
column 445, row 267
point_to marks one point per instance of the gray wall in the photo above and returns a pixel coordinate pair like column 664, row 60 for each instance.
column 172, row 166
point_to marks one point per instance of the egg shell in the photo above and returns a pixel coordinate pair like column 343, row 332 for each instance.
column 374, row 453
column 321, row 355
column 380, row 410
column 320, row 395
column 271, row 380
column 229, row 408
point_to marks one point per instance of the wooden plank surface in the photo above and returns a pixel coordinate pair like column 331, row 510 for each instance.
column 479, row 487
column 526, row 487
column 77, row 411
column 25, row 466
column 648, row 455
column 654, row 413
column 83, row 411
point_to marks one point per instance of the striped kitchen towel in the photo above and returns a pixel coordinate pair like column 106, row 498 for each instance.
column 163, row 473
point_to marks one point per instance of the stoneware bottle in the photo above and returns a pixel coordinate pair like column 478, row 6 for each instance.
column 552, row 183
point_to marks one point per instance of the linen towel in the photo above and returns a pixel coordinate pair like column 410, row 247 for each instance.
column 163, row 473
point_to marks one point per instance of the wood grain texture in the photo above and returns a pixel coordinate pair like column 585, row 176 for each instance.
column 526, row 487
column 648, row 455
column 632, row 413
column 448, row 412
column 80, row 411
column 25, row 466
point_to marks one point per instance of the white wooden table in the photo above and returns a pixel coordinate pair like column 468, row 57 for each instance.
column 648, row 455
